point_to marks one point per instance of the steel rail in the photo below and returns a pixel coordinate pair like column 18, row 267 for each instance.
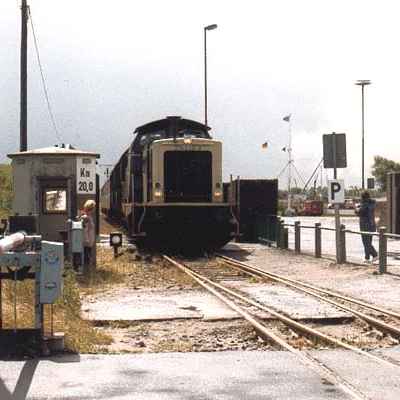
column 297, row 285
column 264, row 332
column 292, row 323
column 315, row 288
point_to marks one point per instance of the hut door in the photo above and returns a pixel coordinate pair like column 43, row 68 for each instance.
column 55, row 203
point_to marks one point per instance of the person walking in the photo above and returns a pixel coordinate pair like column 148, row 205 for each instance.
column 89, row 231
column 367, row 224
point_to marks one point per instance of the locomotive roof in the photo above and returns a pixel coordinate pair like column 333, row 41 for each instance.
column 182, row 123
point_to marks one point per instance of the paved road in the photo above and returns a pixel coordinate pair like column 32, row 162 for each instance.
column 193, row 376
column 354, row 248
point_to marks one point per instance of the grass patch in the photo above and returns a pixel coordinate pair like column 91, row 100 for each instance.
column 129, row 272
column 5, row 190
column 80, row 335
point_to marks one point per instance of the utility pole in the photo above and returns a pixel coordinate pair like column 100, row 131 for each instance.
column 289, row 205
column 362, row 83
column 206, row 28
column 24, row 77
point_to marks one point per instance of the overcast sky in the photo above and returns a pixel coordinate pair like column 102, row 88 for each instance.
column 112, row 66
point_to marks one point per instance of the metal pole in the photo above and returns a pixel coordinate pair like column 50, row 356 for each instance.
column 382, row 250
column 278, row 233
column 362, row 135
column 15, row 300
column 282, row 236
column 297, row 237
column 343, row 244
column 318, row 240
column 362, row 83
column 24, row 77
column 290, row 168
column 286, row 238
column 205, row 77
column 337, row 215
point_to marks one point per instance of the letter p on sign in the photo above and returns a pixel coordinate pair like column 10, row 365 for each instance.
column 336, row 191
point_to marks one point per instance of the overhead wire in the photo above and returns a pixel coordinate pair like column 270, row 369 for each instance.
column 46, row 94
column 298, row 173
column 315, row 171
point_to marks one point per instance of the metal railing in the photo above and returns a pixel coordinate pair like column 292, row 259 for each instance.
column 282, row 240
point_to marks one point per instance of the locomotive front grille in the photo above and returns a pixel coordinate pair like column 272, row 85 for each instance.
column 187, row 176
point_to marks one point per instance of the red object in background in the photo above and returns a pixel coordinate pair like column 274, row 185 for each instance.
column 312, row 208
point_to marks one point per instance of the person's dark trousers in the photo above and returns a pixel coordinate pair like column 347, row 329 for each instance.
column 368, row 248
column 87, row 255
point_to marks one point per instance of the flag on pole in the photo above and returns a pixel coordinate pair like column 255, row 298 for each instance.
column 264, row 145
column 287, row 118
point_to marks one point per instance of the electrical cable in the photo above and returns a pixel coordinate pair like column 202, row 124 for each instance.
column 46, row 94
column 316, row 169
column 298, row 174
column 283, row 170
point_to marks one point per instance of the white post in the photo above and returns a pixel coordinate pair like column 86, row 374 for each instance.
column 290, row 168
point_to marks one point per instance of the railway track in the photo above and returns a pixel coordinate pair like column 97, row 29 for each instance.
column 236, row 301
column 341, row 302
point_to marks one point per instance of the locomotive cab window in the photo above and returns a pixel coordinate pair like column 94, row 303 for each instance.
column 54, row 201
column 188, row 176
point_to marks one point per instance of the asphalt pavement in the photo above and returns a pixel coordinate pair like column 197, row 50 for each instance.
column 251, row 375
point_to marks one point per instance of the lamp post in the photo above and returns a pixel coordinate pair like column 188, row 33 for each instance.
column 206, row 28
column 362, row 83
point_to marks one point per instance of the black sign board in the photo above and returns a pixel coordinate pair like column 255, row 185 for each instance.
column 328, row 143
column 371, row 183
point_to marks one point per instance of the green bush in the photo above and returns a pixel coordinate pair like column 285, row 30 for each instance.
column 5, row 190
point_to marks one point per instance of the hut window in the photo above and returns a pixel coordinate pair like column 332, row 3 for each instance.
column 55, row 200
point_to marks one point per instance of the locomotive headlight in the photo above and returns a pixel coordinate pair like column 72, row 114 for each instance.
column 157, row 190
column 187, row 140
column 218, row 191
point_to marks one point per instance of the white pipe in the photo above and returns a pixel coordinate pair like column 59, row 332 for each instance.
column 11, row 242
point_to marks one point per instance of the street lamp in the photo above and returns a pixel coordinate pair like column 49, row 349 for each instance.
column 362, row 83
column 206, row 28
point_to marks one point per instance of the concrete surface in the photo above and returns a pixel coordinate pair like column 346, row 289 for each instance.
column 134, row 305
column 360, row 281
column 193, row 376
column 147, row 304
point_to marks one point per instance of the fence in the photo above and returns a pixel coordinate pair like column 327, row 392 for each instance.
column 282, row 240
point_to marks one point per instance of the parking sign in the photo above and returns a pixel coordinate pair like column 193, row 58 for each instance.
column 336, row 191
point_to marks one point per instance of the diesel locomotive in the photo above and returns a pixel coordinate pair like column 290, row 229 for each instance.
column 167, row 188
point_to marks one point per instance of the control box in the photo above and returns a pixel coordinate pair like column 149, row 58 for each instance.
column 51, row 271
column 76, row 236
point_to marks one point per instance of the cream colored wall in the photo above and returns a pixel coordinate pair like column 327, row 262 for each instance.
column 26, row 186
column 162, row 146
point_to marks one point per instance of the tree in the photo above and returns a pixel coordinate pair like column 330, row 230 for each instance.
column 381, row 168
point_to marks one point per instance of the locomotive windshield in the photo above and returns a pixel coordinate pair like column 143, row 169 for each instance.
column 188, row 176
column 147, row 138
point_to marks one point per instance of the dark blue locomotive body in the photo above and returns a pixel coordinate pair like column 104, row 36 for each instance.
column 167, row 188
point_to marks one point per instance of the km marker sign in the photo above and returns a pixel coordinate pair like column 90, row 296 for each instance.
column 336, row 191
